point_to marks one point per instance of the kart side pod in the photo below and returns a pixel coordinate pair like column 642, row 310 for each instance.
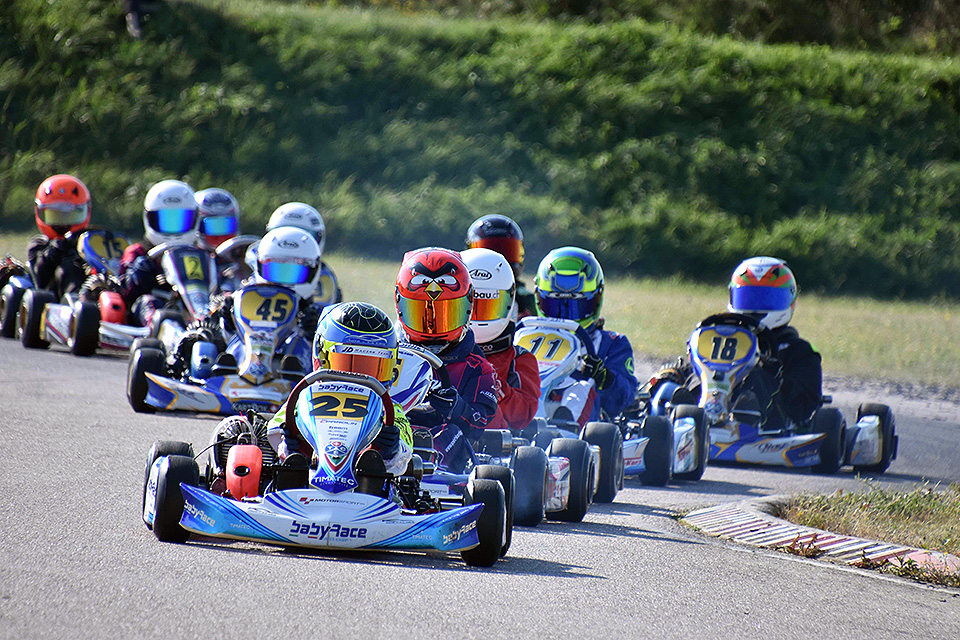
column 244, row 464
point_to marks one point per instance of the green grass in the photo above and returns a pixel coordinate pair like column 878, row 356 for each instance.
column 666, row 152
column 925, row 518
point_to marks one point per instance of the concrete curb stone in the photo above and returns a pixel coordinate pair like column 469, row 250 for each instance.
column 752, row 522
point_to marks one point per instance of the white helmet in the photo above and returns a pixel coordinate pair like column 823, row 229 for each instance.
column 302, row 216
column 219, row 217
column 494, row 293
column 289, row 257
column 170, row 213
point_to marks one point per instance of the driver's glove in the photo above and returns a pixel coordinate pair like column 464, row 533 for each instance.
column 593, row 367
column 387, row 441
column 447, row 403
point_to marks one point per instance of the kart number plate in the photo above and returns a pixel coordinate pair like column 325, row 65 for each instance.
column 714, row 347
column 547, row 346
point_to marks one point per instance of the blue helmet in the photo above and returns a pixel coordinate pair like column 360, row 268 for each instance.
column 356, row 337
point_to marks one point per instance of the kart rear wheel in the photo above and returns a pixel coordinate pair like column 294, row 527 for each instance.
column 503, row 475
column 490, row 526
column 142, row 362
column 162, row 448
column 608, row 438
column 830, row 421
column 888, row 431
column 701, row 439
column 29, row 321
column 581, row 478
column 530, row 467
column 658, row 456
column 9, row 306
column 139, row 343
column 85, row 329
column 169, row 509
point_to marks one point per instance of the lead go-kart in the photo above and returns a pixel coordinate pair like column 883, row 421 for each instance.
column 723, row 349
column 201, row 372
column 342, row 506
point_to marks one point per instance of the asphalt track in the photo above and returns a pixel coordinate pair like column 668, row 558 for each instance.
column 77, row 562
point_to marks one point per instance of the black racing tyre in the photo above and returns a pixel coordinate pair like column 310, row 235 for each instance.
column 160, row 316
column 30, row 317
column 581, row 478
column 503, row 475
column 161, row 448
column 169, row 509
column 490, row 526
column 701, row 439
column 888, row 431
column 658, row 455
column 85, row 329
column 142, row 362
column 10, row 298
column 608, row 438
column 830, row 421
column 530, row 467
column 139, row 343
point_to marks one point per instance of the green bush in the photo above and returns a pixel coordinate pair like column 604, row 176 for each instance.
column 668, row 153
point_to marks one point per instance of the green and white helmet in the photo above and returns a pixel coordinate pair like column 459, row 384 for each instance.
column 569, row 285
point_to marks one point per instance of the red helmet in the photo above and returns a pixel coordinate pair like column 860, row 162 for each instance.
column 62, row 205
column 434, row 296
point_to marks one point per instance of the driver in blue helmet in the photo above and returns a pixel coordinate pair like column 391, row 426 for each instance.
column 354, row 337
column 569, row 285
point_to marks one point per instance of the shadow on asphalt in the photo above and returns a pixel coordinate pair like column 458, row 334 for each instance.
column 511, row 565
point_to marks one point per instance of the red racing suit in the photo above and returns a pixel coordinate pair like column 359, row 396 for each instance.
column 518, row 386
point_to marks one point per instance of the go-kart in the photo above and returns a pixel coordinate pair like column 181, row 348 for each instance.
column 203, row 373
column 341, row 504
column 15, row 278
column 723, row 349
column 84, row 326
column 74, row 322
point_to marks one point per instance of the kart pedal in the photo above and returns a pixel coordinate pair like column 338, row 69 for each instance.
column 372, row 474
column 292, row 474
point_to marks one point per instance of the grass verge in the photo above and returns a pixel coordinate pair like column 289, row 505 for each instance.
column 927, row 517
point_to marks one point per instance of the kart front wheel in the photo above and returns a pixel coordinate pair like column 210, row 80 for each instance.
column 888, row 431
column 530, row 466
column 159, row 449
column 143, row 361
column 169, row 508
column 30, row 319
column 701, row 440
column 608, row 438
column 658, row 455
column 85, row 329
column 581, row 478
column 492, row 522
column 505, row 477
column 830, row 421
column 9, row 306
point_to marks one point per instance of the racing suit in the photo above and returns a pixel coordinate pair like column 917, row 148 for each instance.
column 518, row 382
column 139, row 276
column 463, row 410
column 56, row 264
column 614, row 385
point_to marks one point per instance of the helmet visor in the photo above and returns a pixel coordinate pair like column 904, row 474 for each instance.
column 491, row 305
column 372, row 361
column 172, row 220
column 434, row 317
column 569, row 308
column 509, row 248
column 286, row 273
column 62, row 214
column 748, row 299
column 219, row 226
